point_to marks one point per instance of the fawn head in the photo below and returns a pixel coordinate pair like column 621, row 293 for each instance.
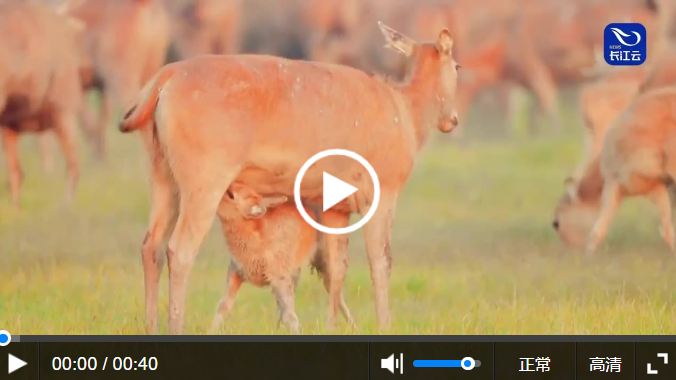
column 248, row 203
column 433, row 68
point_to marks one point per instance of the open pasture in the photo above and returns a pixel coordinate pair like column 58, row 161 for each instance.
column 473, row 247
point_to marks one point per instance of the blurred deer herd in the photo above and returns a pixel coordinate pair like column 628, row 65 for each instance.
column 53, row 52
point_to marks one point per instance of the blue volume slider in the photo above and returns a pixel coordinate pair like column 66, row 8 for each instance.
column 437, row 363
column 466, row 363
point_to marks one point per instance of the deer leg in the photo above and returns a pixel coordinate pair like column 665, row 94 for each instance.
column 540, row 81
column 671, row 190
column 503, row 93
column 234, row 282
column 660, row 197
column 10, row 141
column 163, row 214
column 377, row 235
column 200, row 194
column 342, row 305
column 107, row 117
column 46, row 152
column 319, row 264
column 197, row 211
column 610, row 200
column 88, row 118
column 194, row 220
column 336, row 257
column 66, row 125
column 344, row 309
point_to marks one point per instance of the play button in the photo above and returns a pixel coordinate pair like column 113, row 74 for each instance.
column 14, row 363
column 335, row 190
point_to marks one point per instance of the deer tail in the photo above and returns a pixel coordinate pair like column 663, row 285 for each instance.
column 143, row 110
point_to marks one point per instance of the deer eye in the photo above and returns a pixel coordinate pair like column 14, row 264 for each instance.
column 457, row 67
column 230, row 195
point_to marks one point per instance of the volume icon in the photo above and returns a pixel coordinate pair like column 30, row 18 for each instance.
column 391, row 363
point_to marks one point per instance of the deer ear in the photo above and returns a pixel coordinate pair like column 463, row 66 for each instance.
column 396, row 40
column 445, row 42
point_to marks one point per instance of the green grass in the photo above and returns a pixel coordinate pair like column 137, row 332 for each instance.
column 473, row 251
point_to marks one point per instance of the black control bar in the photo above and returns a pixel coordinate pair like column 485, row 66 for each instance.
column 339, row 360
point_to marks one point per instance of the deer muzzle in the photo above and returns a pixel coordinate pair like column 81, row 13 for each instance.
column 448, row 123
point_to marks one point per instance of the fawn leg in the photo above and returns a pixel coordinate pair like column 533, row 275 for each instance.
column 610, row 200
column 233, row 283
column 283, row 289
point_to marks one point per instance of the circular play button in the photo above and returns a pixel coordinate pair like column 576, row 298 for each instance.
column 335, row 190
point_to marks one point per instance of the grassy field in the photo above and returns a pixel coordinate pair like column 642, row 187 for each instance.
column 473, row 251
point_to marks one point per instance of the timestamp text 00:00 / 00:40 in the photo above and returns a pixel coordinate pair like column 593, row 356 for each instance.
column 91, row 364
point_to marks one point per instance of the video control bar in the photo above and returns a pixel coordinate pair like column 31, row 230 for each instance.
column 339, row 361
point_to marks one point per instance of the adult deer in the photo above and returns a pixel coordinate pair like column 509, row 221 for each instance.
column 126, row 43
column 258, row 119
column 39, row 85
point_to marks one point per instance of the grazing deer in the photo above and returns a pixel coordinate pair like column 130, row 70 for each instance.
column 638, row 158
column 269, row 242
column 39, row 83
column 257, row 119
column 603, row 103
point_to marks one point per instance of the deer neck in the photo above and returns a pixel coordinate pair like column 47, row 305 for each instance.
column 590, row 186
column 420, row 89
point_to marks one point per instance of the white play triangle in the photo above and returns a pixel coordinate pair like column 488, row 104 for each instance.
column 14, row 363
column 335, row 191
